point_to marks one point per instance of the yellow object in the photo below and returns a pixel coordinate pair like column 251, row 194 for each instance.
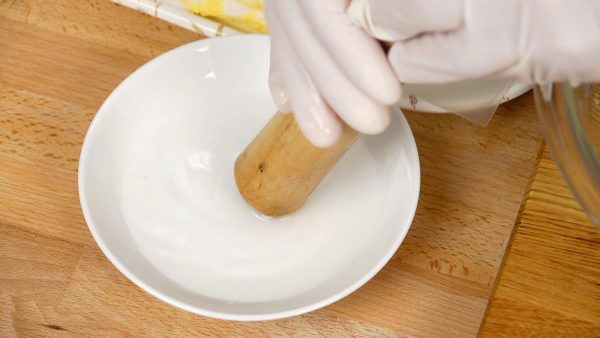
column 244, row 15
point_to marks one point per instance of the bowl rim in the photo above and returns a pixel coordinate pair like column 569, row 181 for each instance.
column 92, row 226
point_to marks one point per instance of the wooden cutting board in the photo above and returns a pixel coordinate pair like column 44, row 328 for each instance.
column 549, row 286
column 59, row 61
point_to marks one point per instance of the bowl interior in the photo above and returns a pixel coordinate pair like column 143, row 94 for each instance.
column 157, row 191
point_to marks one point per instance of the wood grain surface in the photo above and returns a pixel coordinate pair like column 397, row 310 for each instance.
column 60, row 60
column 550, row 282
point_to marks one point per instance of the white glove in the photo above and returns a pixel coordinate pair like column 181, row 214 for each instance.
column 440, row 41
column 321, row 63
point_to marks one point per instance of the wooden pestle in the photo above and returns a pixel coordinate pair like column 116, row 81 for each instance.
column 280, row 168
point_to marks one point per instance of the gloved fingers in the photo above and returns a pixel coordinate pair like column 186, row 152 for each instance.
column 349, row 102
column 427, row 59
column 276, row 87
column 397, row 20
column 359, row 56
column 317, row 121
column 487, row 45
column 440, row 58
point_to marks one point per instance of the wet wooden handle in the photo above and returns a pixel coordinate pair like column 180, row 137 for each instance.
column 280, row 167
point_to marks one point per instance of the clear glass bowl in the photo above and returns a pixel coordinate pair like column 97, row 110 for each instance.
column 570, row 117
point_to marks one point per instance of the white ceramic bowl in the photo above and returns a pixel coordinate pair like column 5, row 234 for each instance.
column 157, row 191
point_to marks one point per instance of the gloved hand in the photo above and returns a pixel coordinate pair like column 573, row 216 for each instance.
column 321, row 64
column 440, row 41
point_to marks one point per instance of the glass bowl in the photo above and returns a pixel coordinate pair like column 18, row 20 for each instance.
column 570, row 117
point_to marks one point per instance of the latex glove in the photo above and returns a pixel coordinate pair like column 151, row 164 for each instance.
column 323, row 69
column 440, row 41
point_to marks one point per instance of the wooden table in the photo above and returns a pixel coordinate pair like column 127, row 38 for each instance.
column 59, row 61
